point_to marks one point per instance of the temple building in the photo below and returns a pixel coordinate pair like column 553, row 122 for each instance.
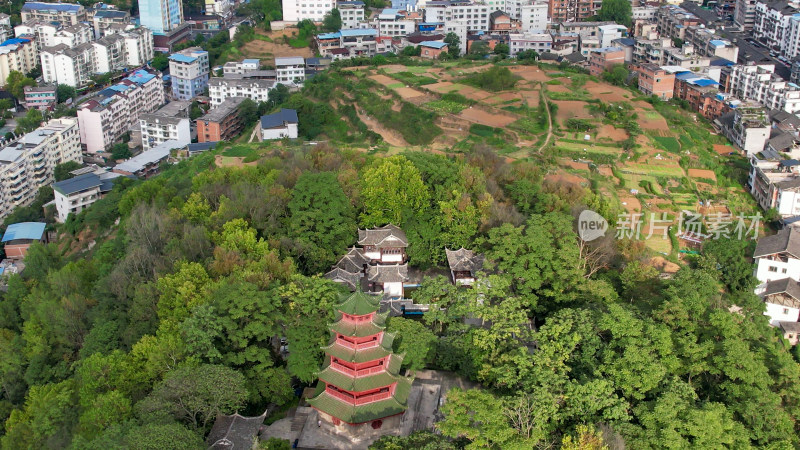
column 464, row 264
column 361, row 392
column 379, row 265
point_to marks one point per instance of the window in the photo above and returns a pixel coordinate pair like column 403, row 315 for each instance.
column 786, row 310
column 783, row 270
column 772, row 269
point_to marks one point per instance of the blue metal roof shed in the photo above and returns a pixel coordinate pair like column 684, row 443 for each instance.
column 182, row 58
column 433, row 44
column 24, row 230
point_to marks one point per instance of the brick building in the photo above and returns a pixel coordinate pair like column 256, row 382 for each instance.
column 221, row 123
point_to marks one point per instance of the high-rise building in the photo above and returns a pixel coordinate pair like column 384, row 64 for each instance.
column 573, row 10
column 65, row 13
column 189, row 70
column 161, row 16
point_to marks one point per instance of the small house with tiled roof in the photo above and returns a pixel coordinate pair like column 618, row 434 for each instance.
column 782, row 298
column 361, row 391
column 778, row 256
column 464, row 264
column 384, row 245
column 388, row 279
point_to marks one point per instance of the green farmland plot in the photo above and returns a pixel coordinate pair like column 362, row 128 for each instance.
column 656, row 170
column 596, row 148
column 669, row 143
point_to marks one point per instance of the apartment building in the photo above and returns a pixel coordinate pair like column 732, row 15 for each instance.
column 221, row 123
column 603, row 59
column 50, row 34
column 533, row 17
column 170, row 123
column 220, row 89
column 352, row 14
column 290, row 70
column 222, row 8
column 672, row 21
column 650, row 51
column 73, row 66
column 744, row 14
column 314, row 10
column 107, row 21
column 147, row 163
column 573, row 10
column 189, row 70
column 776, row 25
column 758, row 82
column 108, row 115
column 390, row 22
column 608, row 33
column 701, row 93
column 5, row 27
column 747, row 127
column 775, row 183
column 42, row 97
column 538, row 42
column 29, row 163
column 17, row 54
column 138, row 46
column 708, row 43
column 653, row 80
column 161, row 16
column 344, row 44
column 241, row 68
column 794, row 76
column 66, row 13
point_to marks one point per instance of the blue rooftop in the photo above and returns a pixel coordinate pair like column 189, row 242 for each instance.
column 251, row 61
column 359, row 32
column 334, row 35
column 24, row 230
column 433, row 44
column 31, row 6
column 14, row 41
column 718, row 43
column 703, row 82
column 182, row 58
column 140, row 76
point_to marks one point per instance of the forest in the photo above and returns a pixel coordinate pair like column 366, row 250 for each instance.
column 161, row 306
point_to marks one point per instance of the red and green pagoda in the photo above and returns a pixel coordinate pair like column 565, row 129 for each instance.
column 360, row 383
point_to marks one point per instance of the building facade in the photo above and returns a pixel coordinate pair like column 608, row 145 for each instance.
column 220, row 89
column 104, row 118
column 67, row 13
column 29, row 163
column 161, row 16
column 290, row 70
column 653, row 80
column 189, row 70
column 221, row 123
column 17, row 54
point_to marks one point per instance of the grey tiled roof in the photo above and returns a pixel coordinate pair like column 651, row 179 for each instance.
column 463, row 260
column 342, row 276
column 786, row 240
column 353, row 261
column 394, row 273
column 383, row 235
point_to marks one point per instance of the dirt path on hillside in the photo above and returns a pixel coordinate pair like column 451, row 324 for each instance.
column 549, row 118
column 390, row 136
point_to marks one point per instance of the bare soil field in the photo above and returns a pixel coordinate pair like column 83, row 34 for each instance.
column 609, row 132
column 703, row 173
column 531, row 73
column 474, row 93
column 650, row 120
column 564, row 178
column 558, row 88
column 492, row 119
column 407, row 93
column 383, row 79
column 723, row 149
column 504, row 97
column 263, row 49
column 574, row 164
column 630, row 203
column 606, row 92
column 232, row 161
column 568, row 109
column 442, row 87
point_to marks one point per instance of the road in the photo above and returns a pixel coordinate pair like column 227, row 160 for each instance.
column 747, row 51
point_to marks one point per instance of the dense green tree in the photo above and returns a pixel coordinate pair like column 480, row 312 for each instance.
column 420, row 440
column 332, row 20
column 501, row 49
column 30, row 121
column 392, row 191
column 62, row 171
column 248, row 112
column 44, row 420
column 414, row 340
column 542, row 258
column 195, row 395
column 65, row 92
column 321, row 219
column 16, row 82
column 616, row 75
column 120, row 151
column 737, row 272
column 453, row 44
column 618, row 11
column 160, row 61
